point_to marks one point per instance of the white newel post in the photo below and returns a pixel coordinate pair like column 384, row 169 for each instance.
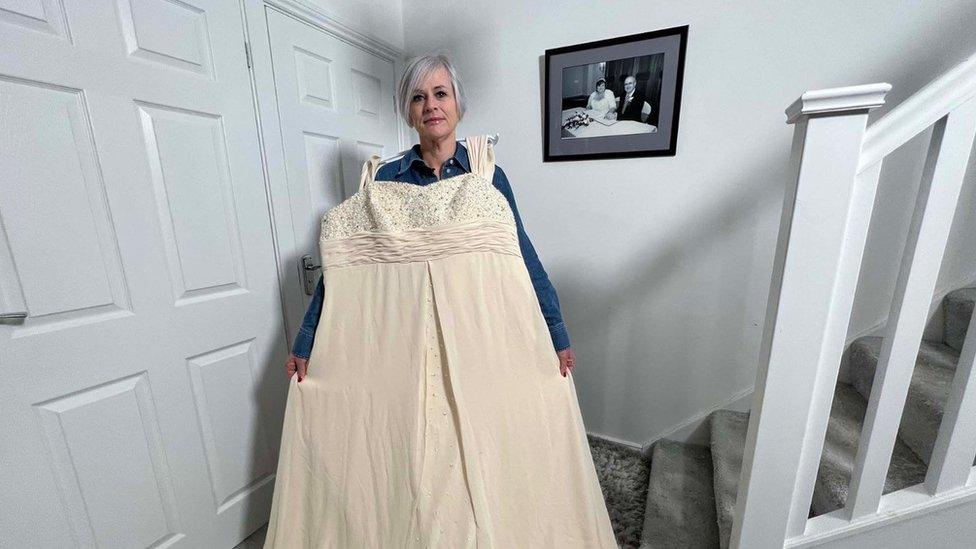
column 826, row 211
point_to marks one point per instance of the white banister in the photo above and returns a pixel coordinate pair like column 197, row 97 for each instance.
column 815, row 269
column 919, row 112
column 835, row 167
column 945, row 166
column 955, row 447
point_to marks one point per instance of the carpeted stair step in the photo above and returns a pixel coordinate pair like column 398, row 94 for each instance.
column 680, row 498
column 927, row 393
column 727, row 440
column 958, row 308
column 840, row 448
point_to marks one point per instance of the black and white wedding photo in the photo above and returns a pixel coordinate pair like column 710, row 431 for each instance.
column 593, row 108
column 619, row 97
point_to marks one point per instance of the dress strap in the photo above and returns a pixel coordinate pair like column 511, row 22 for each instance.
column 369, row 170
column 481, row 155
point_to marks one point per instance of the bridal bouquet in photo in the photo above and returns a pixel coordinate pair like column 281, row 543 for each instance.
column 577, row 120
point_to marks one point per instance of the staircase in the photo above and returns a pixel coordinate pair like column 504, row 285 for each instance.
column 882, row 452
column 691, row 489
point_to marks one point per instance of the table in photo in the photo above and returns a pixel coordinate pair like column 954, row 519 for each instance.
column 600, row 126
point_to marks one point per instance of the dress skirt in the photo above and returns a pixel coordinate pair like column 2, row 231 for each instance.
column 434, row 415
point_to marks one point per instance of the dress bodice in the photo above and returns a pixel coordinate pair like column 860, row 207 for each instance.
column 396, row 206
column 388, row 221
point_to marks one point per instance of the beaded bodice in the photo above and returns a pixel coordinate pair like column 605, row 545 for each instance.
column 399, row 221
column 396, row 206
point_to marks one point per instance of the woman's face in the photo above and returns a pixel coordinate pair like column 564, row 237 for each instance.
column 601, row 87
column 433, row 107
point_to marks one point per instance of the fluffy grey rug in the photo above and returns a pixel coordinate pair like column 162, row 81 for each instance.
column 623, row 474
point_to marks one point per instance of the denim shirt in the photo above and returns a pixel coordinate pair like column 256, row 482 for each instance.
column 411, row 168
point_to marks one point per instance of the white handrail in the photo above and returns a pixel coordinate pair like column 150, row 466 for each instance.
column 918, row 112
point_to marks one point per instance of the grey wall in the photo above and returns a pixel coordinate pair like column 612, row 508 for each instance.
column 663, row 264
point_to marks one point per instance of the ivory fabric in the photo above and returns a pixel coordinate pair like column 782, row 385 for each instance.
column 433, row 413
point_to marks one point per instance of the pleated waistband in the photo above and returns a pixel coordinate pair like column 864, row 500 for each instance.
column 420, row 244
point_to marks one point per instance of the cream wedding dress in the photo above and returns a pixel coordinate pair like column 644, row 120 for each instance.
column 433, row 413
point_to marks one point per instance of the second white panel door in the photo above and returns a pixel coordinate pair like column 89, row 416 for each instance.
column 335, row 106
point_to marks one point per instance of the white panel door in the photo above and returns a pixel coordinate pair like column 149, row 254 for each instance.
column 140, row 398
column 335, row 105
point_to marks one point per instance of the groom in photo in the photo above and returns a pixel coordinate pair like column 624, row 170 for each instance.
column 632, row 104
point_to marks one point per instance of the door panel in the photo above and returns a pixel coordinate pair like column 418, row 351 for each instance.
column 140, row 398
column 335, row 106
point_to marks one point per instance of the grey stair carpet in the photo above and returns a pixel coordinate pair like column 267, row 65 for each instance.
column 958, row 308
column 927, row 393
column 727, row 439
column 840, row 448
column 623, row 474
column 680, row 498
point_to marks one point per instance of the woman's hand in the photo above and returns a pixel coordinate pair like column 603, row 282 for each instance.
column 567, row 360
column 296, row 364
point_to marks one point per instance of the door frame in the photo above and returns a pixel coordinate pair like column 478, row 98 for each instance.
column 294, row 300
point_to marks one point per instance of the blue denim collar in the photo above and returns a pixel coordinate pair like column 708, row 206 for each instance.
column 413, row 155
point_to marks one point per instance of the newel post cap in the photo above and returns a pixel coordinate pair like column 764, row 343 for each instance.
column 848, row 98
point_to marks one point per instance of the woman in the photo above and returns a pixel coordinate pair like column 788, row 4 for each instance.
column 438, row 147
column 430, row 412
column 602, row 100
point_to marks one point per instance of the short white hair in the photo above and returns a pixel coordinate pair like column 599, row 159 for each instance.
column 416, row 71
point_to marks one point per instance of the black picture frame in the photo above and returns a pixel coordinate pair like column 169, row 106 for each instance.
column 660, row 54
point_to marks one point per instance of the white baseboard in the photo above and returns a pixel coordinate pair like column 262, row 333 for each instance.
column 627, row 443
column 694, row 429
column 910, row 517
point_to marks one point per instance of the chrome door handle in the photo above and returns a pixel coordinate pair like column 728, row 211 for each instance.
column 19, row 315
column 308, row 279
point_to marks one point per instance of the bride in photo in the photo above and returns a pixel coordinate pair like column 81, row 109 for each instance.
column 602, row 101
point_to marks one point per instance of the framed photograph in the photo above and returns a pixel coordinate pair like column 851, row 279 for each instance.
column 614, row 98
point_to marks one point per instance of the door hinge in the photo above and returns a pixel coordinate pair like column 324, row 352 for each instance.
column 247, row 54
